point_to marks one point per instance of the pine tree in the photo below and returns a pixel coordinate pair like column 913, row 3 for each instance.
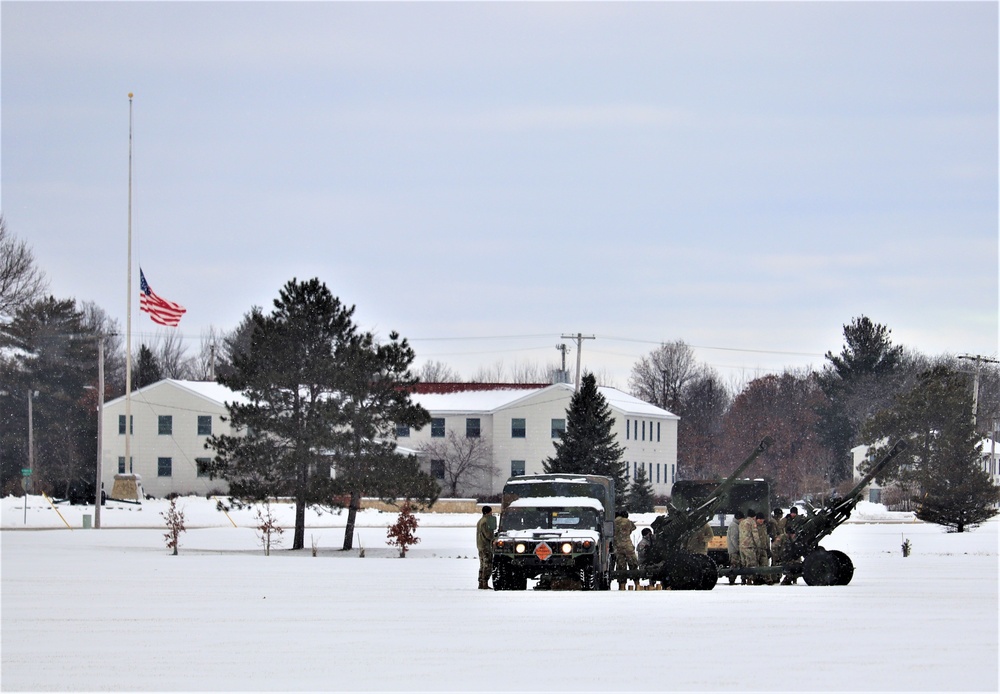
column 640, row 493
column 588, row 445
column 855, row 383
column 319, row 393
column 936, row 418
column 147, row 368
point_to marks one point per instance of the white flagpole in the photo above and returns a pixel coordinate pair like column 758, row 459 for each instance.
column 128, row 319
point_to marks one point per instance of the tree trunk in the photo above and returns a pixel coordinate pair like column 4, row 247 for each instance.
column 352, row 513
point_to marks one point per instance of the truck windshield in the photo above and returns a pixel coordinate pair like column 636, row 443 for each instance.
column 549, row 518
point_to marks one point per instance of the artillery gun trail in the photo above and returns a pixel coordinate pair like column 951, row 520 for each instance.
column 821, row 567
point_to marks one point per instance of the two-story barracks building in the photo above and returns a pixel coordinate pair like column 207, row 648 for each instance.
column 172, row 420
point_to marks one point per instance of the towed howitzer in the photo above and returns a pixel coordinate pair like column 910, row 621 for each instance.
column 821, row 567
column 669, row 560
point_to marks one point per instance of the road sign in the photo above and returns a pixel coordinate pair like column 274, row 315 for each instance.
column 26, row 471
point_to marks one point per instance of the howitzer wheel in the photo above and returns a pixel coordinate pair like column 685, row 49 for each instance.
column 709, row 571
column 820, row 568
column 845, row 568
column 685, row 571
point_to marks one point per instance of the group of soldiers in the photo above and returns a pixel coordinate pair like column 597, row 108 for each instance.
column 754, row 540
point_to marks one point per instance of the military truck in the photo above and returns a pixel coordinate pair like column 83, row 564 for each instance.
column 556, row 528
column 744, row 495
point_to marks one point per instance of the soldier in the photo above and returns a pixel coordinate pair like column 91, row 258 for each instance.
column 642, row 550
column 625, row 557
column 733, row 544
column 763, row 545
column 786, row 554
column 776, row 524
column 486, row 528
column 748, row 546
column 793, row 519
column 698, row 543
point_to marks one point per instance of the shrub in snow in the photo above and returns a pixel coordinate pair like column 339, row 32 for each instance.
column 268, row 530
column 175, row 525
column 401, row 533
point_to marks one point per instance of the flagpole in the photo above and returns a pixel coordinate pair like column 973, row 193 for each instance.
column 128, row 318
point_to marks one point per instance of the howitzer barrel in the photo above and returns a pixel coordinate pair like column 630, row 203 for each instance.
column 877, row 468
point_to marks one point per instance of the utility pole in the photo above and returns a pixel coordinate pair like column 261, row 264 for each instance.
column 579, row 349
column 975, row 385
column 562, row 372
column 100, row 430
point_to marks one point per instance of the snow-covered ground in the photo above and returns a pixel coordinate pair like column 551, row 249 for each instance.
column 110, row 609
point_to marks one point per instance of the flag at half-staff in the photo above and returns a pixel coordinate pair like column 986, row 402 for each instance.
column 160, row 310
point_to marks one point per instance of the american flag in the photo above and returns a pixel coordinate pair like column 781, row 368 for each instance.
column 160, row 310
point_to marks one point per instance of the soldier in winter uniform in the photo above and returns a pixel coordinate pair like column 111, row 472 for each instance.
column 748, row 545
column 786, row 554
column 625, row 557
column 763, row 546
column 642, row 550
column 486, row 528
column 733, row 543
column 698, row 543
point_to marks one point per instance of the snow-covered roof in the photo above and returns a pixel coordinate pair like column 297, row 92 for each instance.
column 491, row 400
column 556, row 501
column 210, row 390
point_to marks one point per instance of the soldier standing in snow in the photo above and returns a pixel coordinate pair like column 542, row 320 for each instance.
column 733, row 543
column 642, row 549
column 748, row 545
column 625, row 557
column 486, row 528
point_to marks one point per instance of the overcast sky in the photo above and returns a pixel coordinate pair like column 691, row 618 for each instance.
column 484, row 177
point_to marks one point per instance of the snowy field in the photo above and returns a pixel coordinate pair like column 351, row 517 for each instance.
column 110, row 609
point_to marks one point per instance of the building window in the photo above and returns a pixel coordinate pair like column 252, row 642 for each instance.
column 628, row 429
column 437, row 469
column 121, row 465
column 635, row 468
column 204, row 425
column 402, row 431
column 202, row 466
column 657, row 432
column 644, row 431
column 516, row 467
column 165, row 425
column 657, row 473
column 672, row 474
column 558, row 428
column 518, row 429
column 164, row 467
column 121, row 424
column 437, row 428
column 627, row 471
column 472, row 428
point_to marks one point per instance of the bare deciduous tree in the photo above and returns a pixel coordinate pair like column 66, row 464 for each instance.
column 466, row 462
column 20, row 279
column 438, row 372
column 661, row 376
column 171, row 355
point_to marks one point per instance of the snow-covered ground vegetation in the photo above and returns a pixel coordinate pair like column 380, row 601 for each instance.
column 111, row 609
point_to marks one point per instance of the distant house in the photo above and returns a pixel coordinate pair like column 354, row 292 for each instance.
column 172, row 420
column 521, row 423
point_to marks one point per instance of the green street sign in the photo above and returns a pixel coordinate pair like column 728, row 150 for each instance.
column 26, row 471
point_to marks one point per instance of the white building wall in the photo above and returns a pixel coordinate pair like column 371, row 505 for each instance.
column 539, row 409
column 183, row 446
